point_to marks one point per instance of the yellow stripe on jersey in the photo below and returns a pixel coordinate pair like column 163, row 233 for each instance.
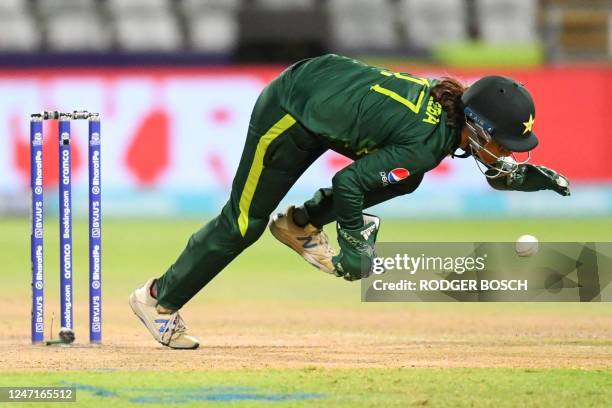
column 256, row 167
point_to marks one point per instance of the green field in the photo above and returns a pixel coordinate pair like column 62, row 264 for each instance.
column 335, row 388
column 275, row 332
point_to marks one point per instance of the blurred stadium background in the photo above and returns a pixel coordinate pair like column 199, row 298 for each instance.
column 175, row 82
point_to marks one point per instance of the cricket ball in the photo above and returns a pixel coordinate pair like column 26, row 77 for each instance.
column 526, row 245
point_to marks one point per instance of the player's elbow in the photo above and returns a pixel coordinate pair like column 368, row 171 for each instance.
column 345, row 181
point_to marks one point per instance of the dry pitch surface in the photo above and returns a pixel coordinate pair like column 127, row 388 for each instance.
column 248, row 336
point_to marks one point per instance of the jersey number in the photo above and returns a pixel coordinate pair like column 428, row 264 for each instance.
column 413, row 106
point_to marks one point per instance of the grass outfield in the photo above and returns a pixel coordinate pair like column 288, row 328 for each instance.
column 270, row 278
column 334, row 388
column 133, row 251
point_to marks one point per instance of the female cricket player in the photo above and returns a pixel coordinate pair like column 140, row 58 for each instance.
column 395, row 126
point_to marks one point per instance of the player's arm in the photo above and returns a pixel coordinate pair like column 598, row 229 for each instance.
column 356, row 237
column 530, row 177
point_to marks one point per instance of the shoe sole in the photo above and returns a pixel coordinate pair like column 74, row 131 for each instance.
column 133, row 305
column 305, row 255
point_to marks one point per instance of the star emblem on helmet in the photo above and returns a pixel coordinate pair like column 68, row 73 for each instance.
column 529, row 124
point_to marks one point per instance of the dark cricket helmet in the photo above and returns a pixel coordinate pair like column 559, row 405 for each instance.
column 504, row 109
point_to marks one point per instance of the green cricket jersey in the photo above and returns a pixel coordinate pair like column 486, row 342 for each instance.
column 386, row 121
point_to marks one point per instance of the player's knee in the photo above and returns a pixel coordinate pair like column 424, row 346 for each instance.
column 229, row 236
column 239, row 233
column 254, row 229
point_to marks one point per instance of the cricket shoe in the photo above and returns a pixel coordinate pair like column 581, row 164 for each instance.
column 310, row 242
column 166, row 325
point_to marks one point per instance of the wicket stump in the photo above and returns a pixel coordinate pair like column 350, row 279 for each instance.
column 65, row 218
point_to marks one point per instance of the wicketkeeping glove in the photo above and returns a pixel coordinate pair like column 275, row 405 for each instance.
column 530, row 177
column 356, row 246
